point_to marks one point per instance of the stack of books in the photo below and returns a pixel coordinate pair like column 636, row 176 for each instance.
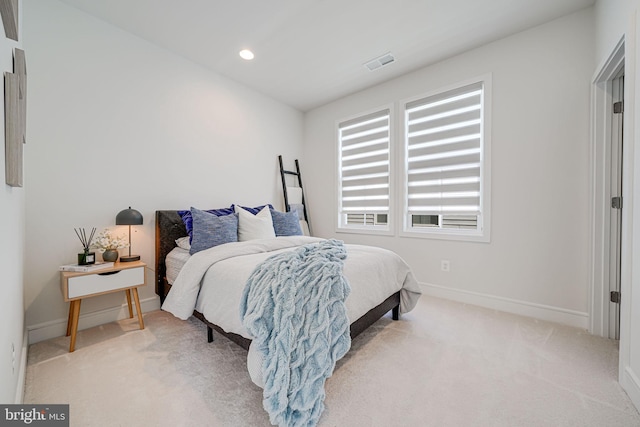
column 86, row 268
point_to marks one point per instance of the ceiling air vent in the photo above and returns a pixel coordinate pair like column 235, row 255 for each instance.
column 380, row 62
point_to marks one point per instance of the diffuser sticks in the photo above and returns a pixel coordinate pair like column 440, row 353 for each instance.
column 82, row 235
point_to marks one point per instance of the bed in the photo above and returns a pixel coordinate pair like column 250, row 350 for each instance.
column 170, row 227
column 293, row 301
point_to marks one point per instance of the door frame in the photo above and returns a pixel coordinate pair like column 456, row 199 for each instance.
column 615, row 175
column 600, row 185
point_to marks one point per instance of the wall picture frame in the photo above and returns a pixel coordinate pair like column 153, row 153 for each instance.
column 15, row 123
column 9, row 13
column 20, row 68
column 12, row 130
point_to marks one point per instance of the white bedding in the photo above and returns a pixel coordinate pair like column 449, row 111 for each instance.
column 212, row 280
column 175, row 260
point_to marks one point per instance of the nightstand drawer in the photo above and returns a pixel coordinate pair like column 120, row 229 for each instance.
column 81, row 286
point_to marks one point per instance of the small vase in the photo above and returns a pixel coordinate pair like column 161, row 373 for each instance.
column 110, row 255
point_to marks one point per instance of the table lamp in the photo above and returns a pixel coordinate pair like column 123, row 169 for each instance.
column 129, row 217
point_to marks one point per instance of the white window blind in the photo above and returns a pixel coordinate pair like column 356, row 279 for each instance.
column 364, row 169
column 444, row 142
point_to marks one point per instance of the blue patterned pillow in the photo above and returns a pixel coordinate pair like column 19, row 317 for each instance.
column 188, row 219
column 286, row 223
column 210, row 230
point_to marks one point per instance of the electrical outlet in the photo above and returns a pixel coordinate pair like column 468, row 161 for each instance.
column 444, row 265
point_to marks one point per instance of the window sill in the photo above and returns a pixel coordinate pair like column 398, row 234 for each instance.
column 368, row 231
column 448, row 235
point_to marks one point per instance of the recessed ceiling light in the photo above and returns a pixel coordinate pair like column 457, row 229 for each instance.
column 246, row 54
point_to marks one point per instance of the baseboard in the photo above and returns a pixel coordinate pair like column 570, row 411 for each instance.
column 539, row 311
column 631, row 384
column 57, row 328
column 22, row 370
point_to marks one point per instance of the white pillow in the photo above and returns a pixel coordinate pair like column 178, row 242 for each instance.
column 184, row 243
column 258, row 226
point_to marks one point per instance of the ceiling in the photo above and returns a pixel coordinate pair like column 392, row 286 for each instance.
column 310, row 52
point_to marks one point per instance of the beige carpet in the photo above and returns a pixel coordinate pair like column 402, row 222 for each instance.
column 444, row 364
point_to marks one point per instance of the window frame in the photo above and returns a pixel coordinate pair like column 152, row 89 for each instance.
column 376, row 229
column 483, row 233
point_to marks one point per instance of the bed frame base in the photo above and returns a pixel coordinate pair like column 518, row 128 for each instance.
column 392, row 303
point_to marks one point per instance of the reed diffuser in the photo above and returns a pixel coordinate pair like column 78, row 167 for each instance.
column 86, row 257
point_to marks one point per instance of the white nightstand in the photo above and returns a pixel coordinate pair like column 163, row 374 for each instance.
column 123, row 276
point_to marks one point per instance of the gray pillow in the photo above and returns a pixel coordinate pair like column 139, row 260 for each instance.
column 210, row 230
column 286, row 223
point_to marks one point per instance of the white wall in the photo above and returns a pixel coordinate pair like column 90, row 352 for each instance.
column 611, row 22
column 114, row 121
column 12, row 229
column 535, row 262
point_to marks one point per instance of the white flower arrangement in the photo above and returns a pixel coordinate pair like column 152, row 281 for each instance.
column 105, row 240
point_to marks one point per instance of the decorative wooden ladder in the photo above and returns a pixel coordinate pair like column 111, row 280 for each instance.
column 294, row 196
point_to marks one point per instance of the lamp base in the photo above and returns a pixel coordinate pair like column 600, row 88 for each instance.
column 129, row 258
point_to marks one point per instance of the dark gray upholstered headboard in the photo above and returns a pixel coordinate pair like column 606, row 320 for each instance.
column 169, row 227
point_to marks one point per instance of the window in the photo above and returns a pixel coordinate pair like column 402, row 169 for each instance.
column 364, row 172
column 445, row 163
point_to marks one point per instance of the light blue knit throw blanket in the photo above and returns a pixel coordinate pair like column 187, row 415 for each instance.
column 293, row 304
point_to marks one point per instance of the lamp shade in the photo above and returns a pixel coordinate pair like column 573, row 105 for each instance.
column 129, row 217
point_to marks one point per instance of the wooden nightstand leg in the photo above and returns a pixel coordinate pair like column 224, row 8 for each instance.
column 74, row 324
column 138, row 309
column 128, row 292
column 70, row 319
